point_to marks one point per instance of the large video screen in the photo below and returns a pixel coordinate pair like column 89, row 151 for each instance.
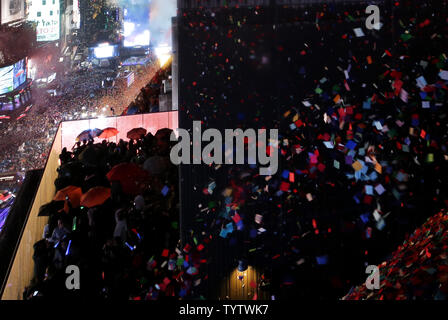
column 136, row 24
column 103, row 51
column 19, row 73
column 6, row 79
column 12, row 77
column 12, row 10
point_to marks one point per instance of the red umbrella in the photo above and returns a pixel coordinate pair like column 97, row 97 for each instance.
column 136, row 133
column 96, row 196
column 131, row 177
column 108, row 133
column 73, row 194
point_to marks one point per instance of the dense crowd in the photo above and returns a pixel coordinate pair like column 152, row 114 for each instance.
column 417, row 270
column 148, row 98
column 80, row 95
column 114, row 242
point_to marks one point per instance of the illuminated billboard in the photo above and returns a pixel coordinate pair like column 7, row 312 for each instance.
column 12, row 77
column 19, row 73
column 45, row 13
column 6, row 80
column 103, row 50
column 136, row 24
column 12, row 10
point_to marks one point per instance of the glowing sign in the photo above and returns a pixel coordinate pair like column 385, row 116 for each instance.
column 6, row 80
column 46, row 14
column 12, row 77
column 104, row 51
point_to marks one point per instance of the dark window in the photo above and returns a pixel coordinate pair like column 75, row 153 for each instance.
column 39, row 14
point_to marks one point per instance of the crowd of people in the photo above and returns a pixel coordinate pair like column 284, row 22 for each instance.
column 148, row 99
column 418, row 269
column 25, row 142
column 114, row 242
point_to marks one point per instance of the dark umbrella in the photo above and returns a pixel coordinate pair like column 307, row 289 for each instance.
column 136, row 133
column 131, row 177
column 164, row 132
column 50, row 208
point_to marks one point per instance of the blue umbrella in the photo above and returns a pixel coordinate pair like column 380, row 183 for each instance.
column 88, row 134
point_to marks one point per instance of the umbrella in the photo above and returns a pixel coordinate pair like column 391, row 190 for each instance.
column 131, row 177
column 88, row 134
column 164, row 132
column 155, row 165
column 72, row 192
column 95, row 196
column 50, row 208
column 108, row 133
column 136, row 133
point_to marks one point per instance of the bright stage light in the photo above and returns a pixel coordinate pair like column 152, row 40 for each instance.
column 163, row 53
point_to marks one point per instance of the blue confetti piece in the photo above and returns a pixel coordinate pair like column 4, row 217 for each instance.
column 223, row 233
column 351, row 145
column 365, row 217
column 415, row 122
column 366, row 105
column 165, row 190
column 369, row 190
column 322, row 260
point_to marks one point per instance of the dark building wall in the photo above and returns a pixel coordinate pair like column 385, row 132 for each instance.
column 254, row 97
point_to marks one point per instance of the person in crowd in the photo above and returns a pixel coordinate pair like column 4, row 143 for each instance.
column 121, row 227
